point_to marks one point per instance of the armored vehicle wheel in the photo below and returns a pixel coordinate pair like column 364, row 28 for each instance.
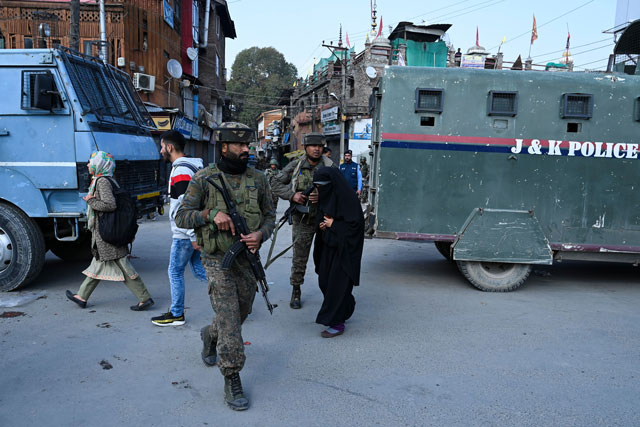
column 444, row 248
column 22, row 248
column 79, row 250
column 494, row 276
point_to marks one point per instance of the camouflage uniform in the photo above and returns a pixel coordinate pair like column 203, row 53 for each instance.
column 364, row 169
column 270, row 173
column 303, row 225
column 231, row 292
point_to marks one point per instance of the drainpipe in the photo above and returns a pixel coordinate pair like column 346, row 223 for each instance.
column 103, row 34
column 206, row 25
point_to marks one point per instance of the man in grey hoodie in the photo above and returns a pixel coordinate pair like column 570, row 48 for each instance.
column 184, row 249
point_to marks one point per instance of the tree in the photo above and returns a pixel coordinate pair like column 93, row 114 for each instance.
column 258, row 76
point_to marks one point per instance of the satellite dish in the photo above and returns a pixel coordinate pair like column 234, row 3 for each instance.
column 371, row 72
column 174, row 68
column 192, row 53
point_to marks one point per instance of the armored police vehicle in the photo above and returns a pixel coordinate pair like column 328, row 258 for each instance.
column 504, row 170
column 58, row 107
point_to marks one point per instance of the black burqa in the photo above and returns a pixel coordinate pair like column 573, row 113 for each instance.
column 338, row 250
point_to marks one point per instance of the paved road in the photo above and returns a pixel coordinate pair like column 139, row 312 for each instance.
column 423, row 348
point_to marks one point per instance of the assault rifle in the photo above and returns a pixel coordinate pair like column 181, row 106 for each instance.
column 295, row 207
column 288, row 217
column 239, row 247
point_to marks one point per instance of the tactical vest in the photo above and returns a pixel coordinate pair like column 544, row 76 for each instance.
column 212, row 240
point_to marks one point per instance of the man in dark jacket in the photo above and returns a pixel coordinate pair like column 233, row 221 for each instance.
column 351, row 172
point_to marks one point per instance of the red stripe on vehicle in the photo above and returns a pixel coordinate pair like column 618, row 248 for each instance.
column 457, row 139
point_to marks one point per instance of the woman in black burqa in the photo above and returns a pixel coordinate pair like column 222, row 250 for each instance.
column 338, row 248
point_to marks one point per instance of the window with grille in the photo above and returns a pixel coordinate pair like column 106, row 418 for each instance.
column 429, row 100
column 577, row 106
column 28, row 91
column 503, row 103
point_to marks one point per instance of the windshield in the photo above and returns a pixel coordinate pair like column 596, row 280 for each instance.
column 105, row 91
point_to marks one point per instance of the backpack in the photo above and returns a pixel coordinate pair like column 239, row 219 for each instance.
column 187, row 165
column 119, row 227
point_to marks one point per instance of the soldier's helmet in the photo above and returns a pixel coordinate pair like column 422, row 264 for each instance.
column 313, row 139
column 274, row 162
column 234, row 132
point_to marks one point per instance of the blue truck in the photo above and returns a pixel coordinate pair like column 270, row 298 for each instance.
column 57, row 107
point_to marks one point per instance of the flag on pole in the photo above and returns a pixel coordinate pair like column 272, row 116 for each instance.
column 477, row 37
column 568, row 38
column 380, row 29
column 504, row 39
column 534, row 30
column 348, row 44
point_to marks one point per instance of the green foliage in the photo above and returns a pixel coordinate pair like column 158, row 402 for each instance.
column 258, row 76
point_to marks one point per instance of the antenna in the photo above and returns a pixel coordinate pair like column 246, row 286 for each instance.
column 175, row 71
column 174, row 68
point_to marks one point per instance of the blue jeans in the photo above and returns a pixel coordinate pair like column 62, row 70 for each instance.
column 182, row 253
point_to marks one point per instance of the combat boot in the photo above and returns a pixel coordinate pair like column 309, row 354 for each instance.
column 208, row 354
column 295, row 302
column 233, row 394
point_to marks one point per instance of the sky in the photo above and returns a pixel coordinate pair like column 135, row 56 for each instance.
column 297, row 27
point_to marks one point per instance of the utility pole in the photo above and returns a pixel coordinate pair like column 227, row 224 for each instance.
column 74, row 32
column 103, row 34
column 343, row 97
column 313, row 111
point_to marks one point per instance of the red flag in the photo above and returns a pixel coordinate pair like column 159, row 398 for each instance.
column 534, row 30
column 348, row 44
column 477, row 37
column 380, row 29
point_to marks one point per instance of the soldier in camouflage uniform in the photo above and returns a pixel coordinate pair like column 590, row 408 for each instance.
column 231, row 292
column 270, row 173
column 364, row 169
column 294, row 179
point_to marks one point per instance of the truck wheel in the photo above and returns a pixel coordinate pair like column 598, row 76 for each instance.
column 444, row 248
column 22, row 248
column 494, row 276
column 79, row 250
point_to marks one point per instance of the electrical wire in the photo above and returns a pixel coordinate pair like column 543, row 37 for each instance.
column 581, row 52
column 545, row 23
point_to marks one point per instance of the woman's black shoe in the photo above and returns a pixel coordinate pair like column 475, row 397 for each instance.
column 142, row 307
column 82, row 304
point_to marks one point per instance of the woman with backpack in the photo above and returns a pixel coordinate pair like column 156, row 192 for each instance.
column 110, row 262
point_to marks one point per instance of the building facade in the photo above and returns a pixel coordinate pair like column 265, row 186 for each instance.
column 142, row 37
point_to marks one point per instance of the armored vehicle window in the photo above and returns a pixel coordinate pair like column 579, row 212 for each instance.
column 427, row 121
column 29, row 91
column 503, row 103
column 105, row 91
column 574, row 127
column 429, row 100
column 577, row 106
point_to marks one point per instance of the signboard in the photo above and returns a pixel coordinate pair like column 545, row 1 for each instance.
column 162, row 122
column 331, row 129
column 196, row 133
column 184, row 126
column 362, row 129
column 206, row 134
column 330, row 114
column 168, row 13
column 472, row 61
